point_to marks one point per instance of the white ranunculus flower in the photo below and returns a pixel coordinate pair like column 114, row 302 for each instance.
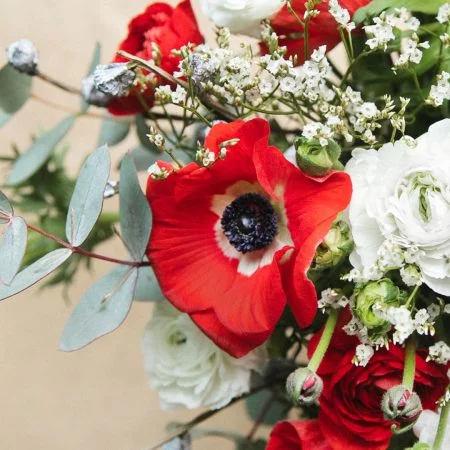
column 426, row 427
column 403, row 194
column 187, row 368
column 241, row 16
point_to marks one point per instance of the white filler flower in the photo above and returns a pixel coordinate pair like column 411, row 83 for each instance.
column 241, row 16
column 188, row 369
column 403, row 194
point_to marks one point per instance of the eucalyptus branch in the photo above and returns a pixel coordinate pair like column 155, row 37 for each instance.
column 262, row 414
column 58, row 84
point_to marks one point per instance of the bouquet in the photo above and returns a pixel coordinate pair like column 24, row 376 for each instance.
column 294, row 231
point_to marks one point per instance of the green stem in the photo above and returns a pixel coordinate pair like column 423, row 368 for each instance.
column 409, row 370
column 324, row 342
column 443, row 420
column 412, row 295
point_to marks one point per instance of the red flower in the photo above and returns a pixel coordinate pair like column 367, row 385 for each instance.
column 350, row 415
column 322, row 30
column 230, row 243
column 169, row 29
column 301, row 435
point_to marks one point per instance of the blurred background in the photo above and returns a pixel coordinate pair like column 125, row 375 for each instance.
column 97, row 398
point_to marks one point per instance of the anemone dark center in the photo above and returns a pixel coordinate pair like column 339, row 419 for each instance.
column 249, row 223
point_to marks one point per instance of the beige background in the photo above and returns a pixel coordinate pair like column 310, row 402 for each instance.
column 97, row 398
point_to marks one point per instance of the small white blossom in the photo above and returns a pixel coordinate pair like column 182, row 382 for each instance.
column 440, row 91
column 381, row 33
column 434, row 310
column 444, row 13
column 205, row 157
column 157, row 172
column 179, row 96
column 363, row 353
column 331, row 298
column 411, row 275
column 439, row 352
column 447, row 308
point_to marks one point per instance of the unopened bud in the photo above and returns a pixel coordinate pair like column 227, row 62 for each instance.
column 92, row 95
column 23, row 56
column 304, row 386
column 337, row 244
column 316, row 159
column 114, row 79
column 400, row 404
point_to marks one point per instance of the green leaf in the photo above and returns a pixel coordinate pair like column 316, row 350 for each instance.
column 34, row 273
column 12, row 249
column 87, row 199
column 101, row 310
column 259, row 444
column 375, row 7
column 147, row 286
column 5, row 207
column 142, row 130
column 95, row 61
column 15, row 89
column 113, row 131
column 278, row 410
column 35, row 157
column 135, row 214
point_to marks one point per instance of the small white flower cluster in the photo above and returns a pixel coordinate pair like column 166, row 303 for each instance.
column 440, row 91
column 331, row 298
column 439, row 353
column 445, row 398
column 156, row 138
column 157, row 172
column 341, row 15
column 363, row 354
column 319, row 131
column 381, row 33
column 165, row 95
column 410, row 51
column 205, row 157
column 444, row 13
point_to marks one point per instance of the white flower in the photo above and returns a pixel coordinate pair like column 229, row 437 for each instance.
column 444, row 13
column 333, row 299
column 188, row 369
column 179, row 96
column 363, row 353
column 381, row 33
column 241, row 16
column 426, row 427
column 403, row 195
column 439, row 352
column 157, row 172
column 440, row 91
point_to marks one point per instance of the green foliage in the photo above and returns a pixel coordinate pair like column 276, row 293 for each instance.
column 35, row 157
column 96, row 55
column 147, row 287
column 259, row 444
column 113, row 131
column 15, row 89
column 12, row 249
column 101, row 310
column 6, row 209
column 87, row 200
column 142, row 131
column 278, row 410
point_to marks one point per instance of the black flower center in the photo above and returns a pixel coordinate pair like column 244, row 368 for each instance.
column 249, row 223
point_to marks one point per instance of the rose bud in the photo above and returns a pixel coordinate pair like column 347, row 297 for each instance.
column 114, row 79
column 23, row 56
column 380, row 295
column 316, row 159
column 400, row 404
column 92, row 95
column 337, row 244
column 304, row 386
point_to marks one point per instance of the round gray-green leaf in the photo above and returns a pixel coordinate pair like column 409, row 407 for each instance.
column 35, row 272
column 35, row 157
column 6, row 210
column 147, row 286
column 95, row 60
column 12, row 249
column 15, row 89
column 113, row 131
column 135, row 214
column 87, row 199
column 101, row 310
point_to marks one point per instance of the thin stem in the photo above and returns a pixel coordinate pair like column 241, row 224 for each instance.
column 442, row 427
column 264, row 410
column 325, row 339
column 412, row 295
column 83, row 252
column 409, row 370
column 58, row 84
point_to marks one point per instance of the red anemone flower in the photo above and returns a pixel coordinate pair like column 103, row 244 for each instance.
column 231, row 243
column 163, row 27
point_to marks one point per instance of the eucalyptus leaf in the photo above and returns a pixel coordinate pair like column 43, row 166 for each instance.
column 87, row 199
column 113, row 131
column 147, row 286
column 375, row 7
column 135, row 214
column 15, row 89
column 101, row 310
column 35, row 157
column 278, row 409
column 12, row 249
column 6, row 209
column 35, row 272
column 95, row 61
column 259, row 444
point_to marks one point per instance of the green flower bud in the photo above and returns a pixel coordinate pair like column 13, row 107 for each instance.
column 315, row 159
column 337, row 244
column 303, row 386
column 400, row 404
column 382, row 293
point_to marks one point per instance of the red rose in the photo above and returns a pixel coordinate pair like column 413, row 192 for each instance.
column 301, row 435
column 322, row 30
column 350, row 415
column 230, row 243
column 169, row 29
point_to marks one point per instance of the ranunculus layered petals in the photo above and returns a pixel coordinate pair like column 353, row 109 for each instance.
column 301, row 435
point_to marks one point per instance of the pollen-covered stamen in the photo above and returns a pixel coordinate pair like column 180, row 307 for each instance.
column 250, row 223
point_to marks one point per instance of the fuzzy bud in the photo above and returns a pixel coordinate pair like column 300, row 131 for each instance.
column 23, row 56
column 337, row 244
column 316, row 159
column 304, row 386
column 92, row 95
column 400, row 404
column 114, row 79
